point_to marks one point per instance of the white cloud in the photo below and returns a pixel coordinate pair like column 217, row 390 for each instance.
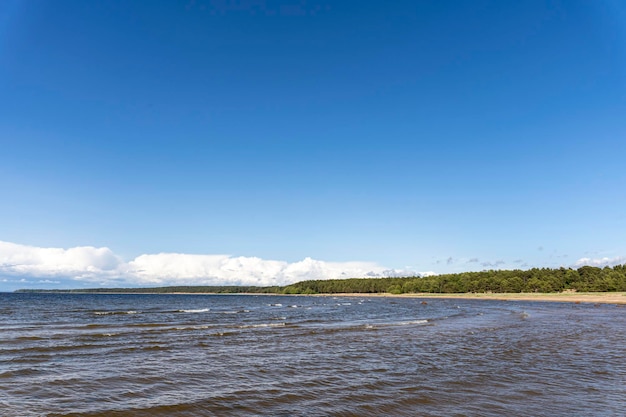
column 618, row 260
column 102, row 266
column 178, row 268
column 84, row 261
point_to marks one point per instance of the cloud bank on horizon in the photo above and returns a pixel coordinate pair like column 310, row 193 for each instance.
column 87, row 265
column 90, row 266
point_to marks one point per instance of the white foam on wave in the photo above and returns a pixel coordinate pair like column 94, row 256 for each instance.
column 399, row 323
column 108, row 313
column 408, row 323
column 199, row 310
column 253, row 326
column 204, row 327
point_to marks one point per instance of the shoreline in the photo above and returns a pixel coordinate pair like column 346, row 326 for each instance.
column 566, row 297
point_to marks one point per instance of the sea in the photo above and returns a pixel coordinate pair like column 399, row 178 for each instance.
column 263, row 355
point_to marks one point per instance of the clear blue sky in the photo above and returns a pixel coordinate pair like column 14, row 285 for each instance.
column 425, row 135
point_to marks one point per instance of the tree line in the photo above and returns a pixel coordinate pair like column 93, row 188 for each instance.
column 179, row 289
column 586, row 278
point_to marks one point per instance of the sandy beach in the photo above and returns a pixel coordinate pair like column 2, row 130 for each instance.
column 570, row 297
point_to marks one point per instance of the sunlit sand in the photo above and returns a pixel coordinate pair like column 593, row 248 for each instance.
column 572, row 297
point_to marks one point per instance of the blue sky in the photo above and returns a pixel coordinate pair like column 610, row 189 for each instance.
column 327, row 137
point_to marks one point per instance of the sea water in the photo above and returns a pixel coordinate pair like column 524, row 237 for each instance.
column 260, row 355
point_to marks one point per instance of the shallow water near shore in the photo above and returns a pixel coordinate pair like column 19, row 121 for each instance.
column 240, row 355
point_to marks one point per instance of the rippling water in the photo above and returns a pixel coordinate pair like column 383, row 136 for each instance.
column 231, row 355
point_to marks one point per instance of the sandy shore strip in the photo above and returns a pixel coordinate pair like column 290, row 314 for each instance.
column 570, row 297
column 566, row 297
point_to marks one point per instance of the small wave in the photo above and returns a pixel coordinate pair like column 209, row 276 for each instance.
column 155, row 347
column 261, row 325
column 29, row 338
column 97, row 336
column 19, row 373
column 108, row 313
column 202, row 327
column 275, row 305
column 399, row 323
column 408, row 323
column 221, row 334
column 199, row 310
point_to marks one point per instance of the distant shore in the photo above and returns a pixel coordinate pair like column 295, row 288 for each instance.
column 569, row 297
